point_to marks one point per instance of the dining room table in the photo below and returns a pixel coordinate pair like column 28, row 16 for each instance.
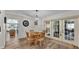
column 35, row 38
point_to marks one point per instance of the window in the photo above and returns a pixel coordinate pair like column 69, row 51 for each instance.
column 56, row 28
column 12, row 24
column 48, row 26
column 69, row 30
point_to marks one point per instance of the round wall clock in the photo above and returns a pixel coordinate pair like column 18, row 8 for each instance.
column 25, row 23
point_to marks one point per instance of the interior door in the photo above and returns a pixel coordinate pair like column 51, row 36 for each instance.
column 2, row 30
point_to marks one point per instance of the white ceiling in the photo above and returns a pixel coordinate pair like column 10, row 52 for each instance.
column 41, row 13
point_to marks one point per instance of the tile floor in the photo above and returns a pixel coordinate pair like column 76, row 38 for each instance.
column 15, row 43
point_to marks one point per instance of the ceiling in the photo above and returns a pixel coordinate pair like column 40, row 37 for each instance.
column 41, row 13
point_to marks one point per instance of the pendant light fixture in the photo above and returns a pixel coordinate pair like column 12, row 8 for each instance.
column 36, row 14
column 36, row 17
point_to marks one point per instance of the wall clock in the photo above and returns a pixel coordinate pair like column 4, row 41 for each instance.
column 25, row 23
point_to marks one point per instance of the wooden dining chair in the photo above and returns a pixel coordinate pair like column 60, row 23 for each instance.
column 40, row 38
column 30, row 38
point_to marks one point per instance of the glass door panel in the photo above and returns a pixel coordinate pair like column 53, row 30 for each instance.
column 48, row 26
column 56, row 28
column 69, row 30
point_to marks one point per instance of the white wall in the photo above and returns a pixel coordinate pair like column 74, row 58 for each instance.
column 40, row 27
column 22, row 30
column 2, row 33
column 77, row 32
column 36, row 28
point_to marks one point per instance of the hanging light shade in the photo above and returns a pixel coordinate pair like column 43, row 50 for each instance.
column 36, row 10
column 36, row 14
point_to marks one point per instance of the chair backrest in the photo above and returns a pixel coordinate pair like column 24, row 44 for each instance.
column 37, row 35
column 30, row 34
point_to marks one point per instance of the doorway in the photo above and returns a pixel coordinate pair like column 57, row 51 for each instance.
column 11, row 29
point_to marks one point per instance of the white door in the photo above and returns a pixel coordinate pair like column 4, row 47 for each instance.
column 2, row 30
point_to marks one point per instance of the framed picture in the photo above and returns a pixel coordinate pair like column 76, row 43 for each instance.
column 36, row 22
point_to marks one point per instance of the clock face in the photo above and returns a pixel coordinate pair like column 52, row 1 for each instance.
column 25, row 23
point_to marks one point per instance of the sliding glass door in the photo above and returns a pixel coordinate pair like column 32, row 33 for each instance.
column 48, row 27
column 56, row 28
column 69, row 29
column 63, row 29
